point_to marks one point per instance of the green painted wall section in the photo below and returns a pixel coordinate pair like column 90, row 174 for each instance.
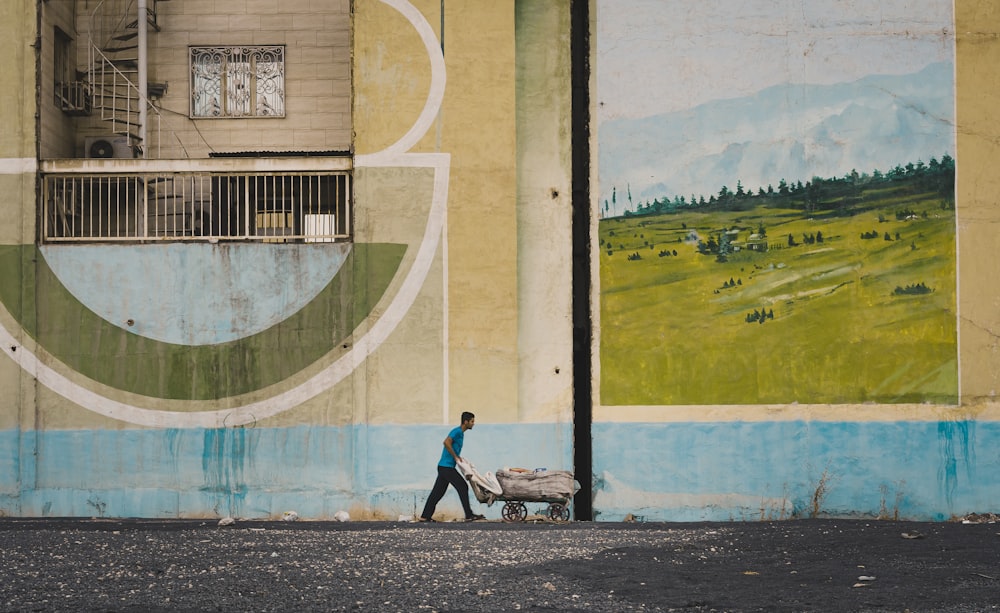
column 110, row 355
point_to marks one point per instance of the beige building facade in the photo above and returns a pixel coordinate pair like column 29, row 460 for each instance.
column 337, row 226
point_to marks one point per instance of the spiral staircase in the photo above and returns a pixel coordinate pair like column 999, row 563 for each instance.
column 116, row 77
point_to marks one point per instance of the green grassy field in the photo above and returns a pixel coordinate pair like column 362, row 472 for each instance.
column 674, row 328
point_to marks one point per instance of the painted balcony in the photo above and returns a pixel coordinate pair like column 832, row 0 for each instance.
column 293, row 199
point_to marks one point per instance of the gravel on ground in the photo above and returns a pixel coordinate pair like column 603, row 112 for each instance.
column 796, row 565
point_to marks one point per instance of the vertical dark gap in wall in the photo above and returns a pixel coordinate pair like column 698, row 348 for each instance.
column 38, row 115
column 582, row 325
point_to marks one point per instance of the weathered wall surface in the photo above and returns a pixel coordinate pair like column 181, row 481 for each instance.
column 56, row 130
column 455, row 295
column 316, row 83
column 341, row 404
column 747, row 461
column 317, row 79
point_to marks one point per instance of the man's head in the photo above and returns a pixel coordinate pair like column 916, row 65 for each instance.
column 468, row 420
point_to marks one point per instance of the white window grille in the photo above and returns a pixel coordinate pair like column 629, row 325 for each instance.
column 243, row 81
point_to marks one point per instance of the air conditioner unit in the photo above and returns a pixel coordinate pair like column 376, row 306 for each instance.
column 108, row 147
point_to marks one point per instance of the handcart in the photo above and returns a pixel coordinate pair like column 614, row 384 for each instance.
column 514, row 487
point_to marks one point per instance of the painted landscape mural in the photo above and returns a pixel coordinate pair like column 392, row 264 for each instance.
column 776, row 203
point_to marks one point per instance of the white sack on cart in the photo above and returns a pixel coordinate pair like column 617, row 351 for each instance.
column 483, row 496
column 487, row 482
column 541, row 485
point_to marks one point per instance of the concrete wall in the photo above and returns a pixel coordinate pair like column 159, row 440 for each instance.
column 455, row 295
column 131, row 402
column 317, row 40
column 57, row 131
column 317, row 72
column 747, row 460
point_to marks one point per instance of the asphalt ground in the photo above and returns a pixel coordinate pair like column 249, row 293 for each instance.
column 796, row 565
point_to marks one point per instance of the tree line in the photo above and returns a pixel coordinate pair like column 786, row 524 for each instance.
column 833, row 193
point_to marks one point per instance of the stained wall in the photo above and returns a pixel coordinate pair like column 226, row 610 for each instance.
column 343, row 403
column 919, row 460
column 458, row 293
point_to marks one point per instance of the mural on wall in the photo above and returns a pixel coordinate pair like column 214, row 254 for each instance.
column 281, row 324
column 776, row 202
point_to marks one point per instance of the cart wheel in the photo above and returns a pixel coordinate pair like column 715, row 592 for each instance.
column 558, row 512
column 514, row 511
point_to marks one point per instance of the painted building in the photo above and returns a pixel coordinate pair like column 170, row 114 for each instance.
column 260, row 296
column 258, row 256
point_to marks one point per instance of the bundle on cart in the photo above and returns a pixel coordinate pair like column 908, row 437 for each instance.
column 520, row 485
column 516, row 486
column 536, row 485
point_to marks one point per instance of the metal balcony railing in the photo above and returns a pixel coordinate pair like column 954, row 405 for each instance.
column 81, row 206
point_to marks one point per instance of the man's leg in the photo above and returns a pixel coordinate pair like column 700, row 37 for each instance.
column 437, row 492
column 457, row 480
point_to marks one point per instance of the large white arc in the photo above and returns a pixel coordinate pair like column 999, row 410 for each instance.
column 393, row 156
column 435, row 96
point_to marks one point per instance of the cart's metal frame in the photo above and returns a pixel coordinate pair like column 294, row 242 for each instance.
column 514, row 509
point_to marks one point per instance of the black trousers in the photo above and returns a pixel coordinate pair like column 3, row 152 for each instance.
column 446, row 475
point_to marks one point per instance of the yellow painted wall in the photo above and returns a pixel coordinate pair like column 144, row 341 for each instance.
column 476, row 127
column 490, row 326
column 17, row 181
column 977, row 26
column 544, row 195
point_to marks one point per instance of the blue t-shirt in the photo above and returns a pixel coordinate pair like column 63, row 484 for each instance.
column 457, row 437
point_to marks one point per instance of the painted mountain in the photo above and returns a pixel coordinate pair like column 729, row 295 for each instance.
column 789, row 131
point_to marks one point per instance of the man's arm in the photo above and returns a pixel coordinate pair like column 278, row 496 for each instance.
column 447, row 445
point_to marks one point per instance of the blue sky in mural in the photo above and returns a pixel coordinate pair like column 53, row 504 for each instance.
column 693, row 96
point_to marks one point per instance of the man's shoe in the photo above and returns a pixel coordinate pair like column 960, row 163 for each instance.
column 475, row 517
column 425, row 520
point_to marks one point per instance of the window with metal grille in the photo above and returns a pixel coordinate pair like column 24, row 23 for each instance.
column 238, row 81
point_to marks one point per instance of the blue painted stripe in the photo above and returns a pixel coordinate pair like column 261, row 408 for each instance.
column 383, row 471
column 753, row 470
column 657, row 471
